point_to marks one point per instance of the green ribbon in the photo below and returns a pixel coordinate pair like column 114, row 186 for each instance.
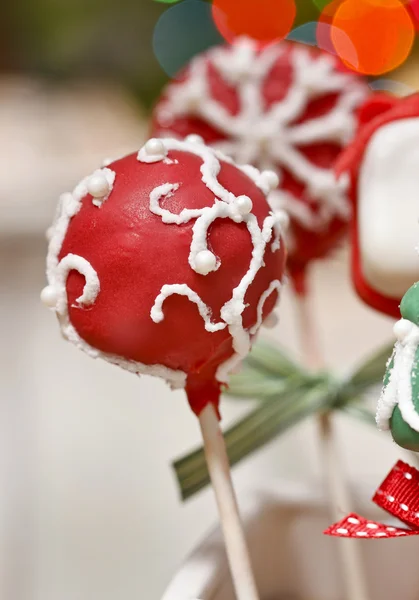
column 286, row 394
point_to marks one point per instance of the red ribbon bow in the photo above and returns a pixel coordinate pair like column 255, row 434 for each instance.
column 399, row 496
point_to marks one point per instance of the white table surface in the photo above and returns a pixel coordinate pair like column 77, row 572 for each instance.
column 91, row 501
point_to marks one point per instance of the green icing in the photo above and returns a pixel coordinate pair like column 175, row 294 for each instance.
column 402, row 433
column 409, row 306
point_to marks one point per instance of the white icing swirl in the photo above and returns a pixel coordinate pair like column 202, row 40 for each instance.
column 184, row 290
column 274, row 285
column 91, row 289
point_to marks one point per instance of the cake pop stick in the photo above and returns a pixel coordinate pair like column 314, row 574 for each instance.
column 166, row 263
column 355, row 584
column 219, row 470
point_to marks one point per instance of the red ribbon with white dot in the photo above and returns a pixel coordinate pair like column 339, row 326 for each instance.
column 399, row 496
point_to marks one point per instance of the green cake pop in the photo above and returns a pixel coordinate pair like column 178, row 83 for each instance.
column 398, row 407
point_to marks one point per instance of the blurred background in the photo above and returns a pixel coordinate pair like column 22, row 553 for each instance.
column 88, row 503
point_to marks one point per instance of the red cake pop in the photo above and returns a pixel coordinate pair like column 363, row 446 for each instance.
column 166, row 263
column 383, row 166
column 283, row 107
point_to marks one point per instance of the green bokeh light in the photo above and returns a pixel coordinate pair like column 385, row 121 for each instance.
column 183, row 31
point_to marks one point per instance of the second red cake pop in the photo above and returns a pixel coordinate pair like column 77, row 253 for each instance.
column 283, row 107
column 167, row 262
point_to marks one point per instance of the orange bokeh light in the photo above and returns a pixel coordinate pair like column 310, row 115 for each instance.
column 263, row 20
column 324, row 29
column 372, row 36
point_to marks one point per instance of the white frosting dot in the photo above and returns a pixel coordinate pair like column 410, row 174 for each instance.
column 98, row 186
column 49, row 296
column 402, row 329
column 244, row 205
column 155, row 147
column 194, row 139
column 271, row 179
column 271, row 321
column 205, row 262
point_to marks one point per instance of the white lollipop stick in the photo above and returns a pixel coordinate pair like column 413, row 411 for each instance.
column 340, row 501
column 219, row 470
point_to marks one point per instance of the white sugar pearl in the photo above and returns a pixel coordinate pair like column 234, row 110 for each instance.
column 402, row 329
column 195, row 139
column 49, row 296
column 98, row 186
column 271, row 179
column 244, row 205
column 155, row 147
column 271, row 321
column 205, row 262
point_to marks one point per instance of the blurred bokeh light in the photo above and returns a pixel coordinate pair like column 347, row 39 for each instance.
column 372, row 36
column 183, row 31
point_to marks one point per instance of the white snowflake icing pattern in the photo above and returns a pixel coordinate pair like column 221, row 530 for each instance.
column 272, row 138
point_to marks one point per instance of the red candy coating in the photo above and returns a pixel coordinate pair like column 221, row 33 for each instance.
column 306, row 244
column 134, row 254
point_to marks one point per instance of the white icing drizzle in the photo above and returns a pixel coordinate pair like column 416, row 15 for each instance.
column 55, row 294
column 184, row 290
column 272, row 138
column 274, row 285
column 398, row 391
column 91, row 289
column 226, row 206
